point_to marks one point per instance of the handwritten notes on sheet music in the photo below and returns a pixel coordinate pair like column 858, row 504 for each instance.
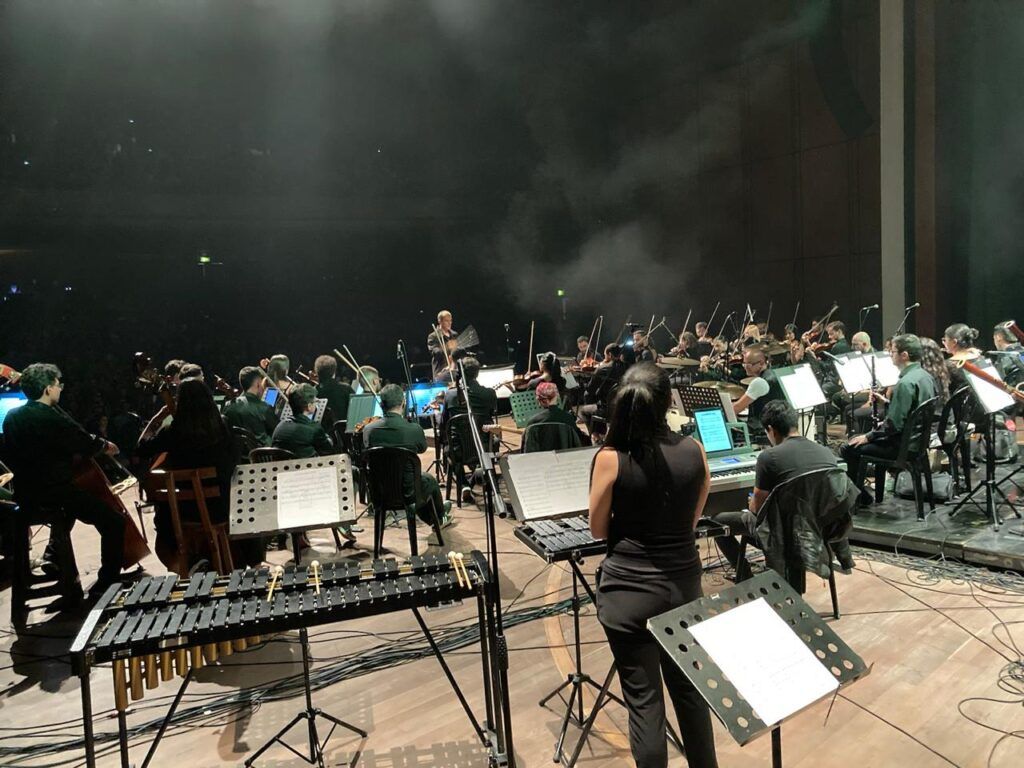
column 770, row 666
column 551, row 483
column 308, row 497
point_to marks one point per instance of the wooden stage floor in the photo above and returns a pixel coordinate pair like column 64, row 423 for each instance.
column 941, row 637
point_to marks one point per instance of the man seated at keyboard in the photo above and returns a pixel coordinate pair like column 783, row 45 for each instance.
column 791, row 455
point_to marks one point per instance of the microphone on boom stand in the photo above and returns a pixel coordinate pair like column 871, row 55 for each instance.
column 906, row 314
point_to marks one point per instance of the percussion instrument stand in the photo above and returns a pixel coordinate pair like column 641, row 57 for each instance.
column 577, row 679
column 309, row 714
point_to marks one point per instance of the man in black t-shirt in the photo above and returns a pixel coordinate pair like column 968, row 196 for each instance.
column 791, row 455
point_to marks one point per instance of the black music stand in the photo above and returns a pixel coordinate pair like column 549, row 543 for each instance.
column 672, row 632
column 989, row 398
column 309, row 714
column 577, row 680
column 699, row 399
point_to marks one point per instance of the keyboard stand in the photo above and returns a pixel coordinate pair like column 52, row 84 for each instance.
column 309, row 714
column 577, row 680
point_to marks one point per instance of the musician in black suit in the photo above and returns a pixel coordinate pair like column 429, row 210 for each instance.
column 442, row 343
column 40, row 443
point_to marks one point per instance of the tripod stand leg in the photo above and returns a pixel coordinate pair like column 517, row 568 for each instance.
column 777, row 747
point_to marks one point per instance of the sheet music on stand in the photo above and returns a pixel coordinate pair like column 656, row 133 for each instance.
column 321, row 406
column 801, row 387
column 291, row 495
column 494, row 376
column 753, row 687
column 549, row 484
column 854, row 376
column 992, row 398
column 886, row 372
column 467, row 338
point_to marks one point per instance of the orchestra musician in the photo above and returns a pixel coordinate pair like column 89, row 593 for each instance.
column 191, row 371
column 1011, row 366
column 583, row 350
column 703, row 339
column 836, row 331
column 249, row 411
column 329, row 387
column 647, row 491
column 861, row 342
column 643, row 352
column 791, row 455
column 606, row 376
column 394, row 431
column 277, row 369
column 914, row 387
column 550, row 370
column 763, row 388
column 686, row 346
column 553, row 413
column 440, row 356
column 196, row 437
column 41, row 442
column 172, row 372
column 484, row 403
column 301, row 435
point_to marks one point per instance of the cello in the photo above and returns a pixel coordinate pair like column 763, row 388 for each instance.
column 88, row 475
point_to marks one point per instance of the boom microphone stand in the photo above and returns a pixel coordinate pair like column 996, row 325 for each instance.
column 499, row 709
column 410, row 401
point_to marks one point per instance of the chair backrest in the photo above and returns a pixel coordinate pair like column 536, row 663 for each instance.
column 245, row 442
column 549, row 436
column 342, row 439
column 459, row 440
column 388, row 469
column 831, row 495
column 170, row 487
column 264, row 455
column 952, row 423
column 917, row 431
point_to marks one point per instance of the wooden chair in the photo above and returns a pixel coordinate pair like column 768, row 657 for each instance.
column 171, row 487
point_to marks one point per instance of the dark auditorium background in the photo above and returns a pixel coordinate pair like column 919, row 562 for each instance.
column 221, row 181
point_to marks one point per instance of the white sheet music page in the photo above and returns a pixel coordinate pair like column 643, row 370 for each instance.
column 761, row 655
column 307, row 497
column 552, row 483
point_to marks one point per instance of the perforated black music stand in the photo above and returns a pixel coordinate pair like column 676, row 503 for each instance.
column 672, row 632
column 699, row 399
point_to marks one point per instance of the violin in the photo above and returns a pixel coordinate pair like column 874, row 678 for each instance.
column 368, row 420
column 222, row 386
column 519, row 383
column 820, row 346
column 8, row 374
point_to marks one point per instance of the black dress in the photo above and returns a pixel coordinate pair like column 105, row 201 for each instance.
column 652, row 566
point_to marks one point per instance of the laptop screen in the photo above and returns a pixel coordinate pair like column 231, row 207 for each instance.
column 712, row 431
column 270, row 396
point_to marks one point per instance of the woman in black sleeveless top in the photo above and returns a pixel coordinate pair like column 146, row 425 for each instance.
column 648, row 488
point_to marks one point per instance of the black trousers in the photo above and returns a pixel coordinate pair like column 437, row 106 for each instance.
column 434, row 500
column 624, row 606
column 79, row 505
column 854, row 456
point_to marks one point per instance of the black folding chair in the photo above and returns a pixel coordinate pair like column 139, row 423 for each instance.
column 954, row 438
column 912, row 456
column 387, row 470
